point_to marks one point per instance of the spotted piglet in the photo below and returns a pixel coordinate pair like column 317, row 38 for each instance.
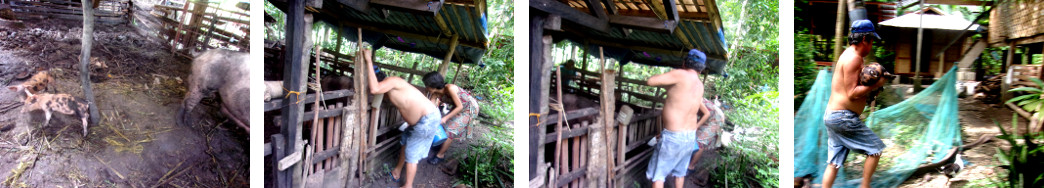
column 61, row 103
column 34, row 85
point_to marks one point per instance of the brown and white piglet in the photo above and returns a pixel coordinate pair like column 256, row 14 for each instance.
column 39, row 82
column 61, row 103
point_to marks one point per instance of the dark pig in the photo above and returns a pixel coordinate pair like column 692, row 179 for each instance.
column 226, row 72
column 61, row 103
column 333, row 83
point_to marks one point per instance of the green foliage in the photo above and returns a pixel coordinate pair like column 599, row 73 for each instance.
column 1031, row 101
column 1023, row 160
column 744, row 163
column 752, row 89
column 488, row 163
column 804, row 67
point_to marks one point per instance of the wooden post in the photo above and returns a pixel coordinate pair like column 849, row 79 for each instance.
column 537, row 95
column 1005, row 85
column 85, row 59
column 181, row 26
column 603, row 145
column 449, row 55
column 363, row 93
column 294, row 77
column 920, row 41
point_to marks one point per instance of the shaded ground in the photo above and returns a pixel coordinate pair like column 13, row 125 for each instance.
column 138, row 88
column 977, row 119
column 433, row 175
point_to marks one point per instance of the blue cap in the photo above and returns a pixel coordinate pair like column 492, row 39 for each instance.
column 697, row 56
column 865, row 26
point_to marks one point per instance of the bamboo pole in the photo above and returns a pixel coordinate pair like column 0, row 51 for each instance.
column 449, row 55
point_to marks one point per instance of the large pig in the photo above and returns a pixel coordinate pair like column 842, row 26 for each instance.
column 226, row 72
column 61, row 103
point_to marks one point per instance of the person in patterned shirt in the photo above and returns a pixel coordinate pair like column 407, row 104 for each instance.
column 465, row 109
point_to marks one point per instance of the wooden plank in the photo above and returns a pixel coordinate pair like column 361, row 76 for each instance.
column 537, row 95
column 644, row 23
column 571, row 14
column 276, row 104
column 416, row 6
column 567, row 178
column 572, row 115
column 325, row 154
column 289, row 160
column 327, row 113
column 567, row 134
column 360, row 5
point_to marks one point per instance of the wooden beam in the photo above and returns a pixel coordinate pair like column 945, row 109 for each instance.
column 595, row 6
column 670, row 9
column 441, row 22
column 360, row 5
column 419, row 36
column 571, row 14
column 645, row 23
column 612, row 6
column 566, row 134
column 554, row 22
column 417, row 6
column 294, row 78
column 537, row 94
column 449, row 55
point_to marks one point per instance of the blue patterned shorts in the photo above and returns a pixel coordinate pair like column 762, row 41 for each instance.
column 846, row 132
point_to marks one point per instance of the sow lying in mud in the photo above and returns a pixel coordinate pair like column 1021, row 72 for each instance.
column 226, row 72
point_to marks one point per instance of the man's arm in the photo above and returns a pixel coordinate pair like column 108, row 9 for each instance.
column 706, row 115
column 375, row 86
column 665, row 79
column 458, row 106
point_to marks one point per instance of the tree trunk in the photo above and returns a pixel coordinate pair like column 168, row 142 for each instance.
column 85, row 59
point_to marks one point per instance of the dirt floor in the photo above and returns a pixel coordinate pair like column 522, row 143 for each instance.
column 434, row 175
column 138, row 87
column 977, row 119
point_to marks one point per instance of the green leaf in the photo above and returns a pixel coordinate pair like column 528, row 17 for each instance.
column 1032, row 106
column 1037, row 81
column 1026, row 89
column 1019, row 98
column 1024, row 102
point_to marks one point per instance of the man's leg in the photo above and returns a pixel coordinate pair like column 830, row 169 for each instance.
column 679, row 182
column 695, row 157
column 658, row 184
column 445, row 147
column 411, row 170
column 398, row 165
column 829, row 175
column 869, row 166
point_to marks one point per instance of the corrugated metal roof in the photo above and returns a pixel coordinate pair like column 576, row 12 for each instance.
column 697, row 25
column 933, row 19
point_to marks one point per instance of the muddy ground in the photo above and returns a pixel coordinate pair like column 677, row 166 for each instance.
column 138, row 87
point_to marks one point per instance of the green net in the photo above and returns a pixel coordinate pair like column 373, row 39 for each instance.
column 918, row 130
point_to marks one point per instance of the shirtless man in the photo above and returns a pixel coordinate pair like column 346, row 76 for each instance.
column 678, row 139
column 419, row 113
column 851, row 87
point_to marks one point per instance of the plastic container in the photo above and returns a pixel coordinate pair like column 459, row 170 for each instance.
column 440, row 136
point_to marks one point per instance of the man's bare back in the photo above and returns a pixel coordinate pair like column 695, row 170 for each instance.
column 684, row 99
column 412, row 104
column 845, row 91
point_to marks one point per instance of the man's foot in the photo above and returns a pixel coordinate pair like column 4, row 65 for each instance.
column 435, row 160
column 394, row 179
